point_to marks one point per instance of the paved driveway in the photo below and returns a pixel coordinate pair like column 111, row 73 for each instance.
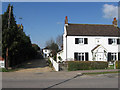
column 36, row 65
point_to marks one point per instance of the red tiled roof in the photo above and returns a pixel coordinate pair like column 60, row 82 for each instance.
column 1, row 59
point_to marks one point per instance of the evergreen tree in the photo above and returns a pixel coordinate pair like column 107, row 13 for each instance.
column 18, row 44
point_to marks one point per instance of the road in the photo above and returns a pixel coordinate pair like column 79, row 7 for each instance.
column 57, row 80
column 36, row 74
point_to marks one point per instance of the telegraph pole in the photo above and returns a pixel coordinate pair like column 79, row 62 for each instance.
column 9, row 17
column 7, row 63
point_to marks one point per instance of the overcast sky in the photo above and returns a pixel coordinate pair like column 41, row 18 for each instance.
column 43, row 21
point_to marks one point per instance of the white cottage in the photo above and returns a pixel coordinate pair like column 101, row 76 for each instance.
column 90, row 42
column 46, row 52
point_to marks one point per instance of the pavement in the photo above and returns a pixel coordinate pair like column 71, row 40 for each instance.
column 47, row 80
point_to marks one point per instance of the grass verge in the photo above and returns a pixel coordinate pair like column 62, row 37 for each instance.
column 9, row 70
column 94, row 73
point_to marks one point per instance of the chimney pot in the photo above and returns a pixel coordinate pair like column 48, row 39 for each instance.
column 66, row 20
column 114, row 18
column 66, row 17
column 115, row 22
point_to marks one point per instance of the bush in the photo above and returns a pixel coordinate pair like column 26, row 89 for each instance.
column 117, row 64
column 54, row 57
column 3, row 70
column 49, row 63
column 86, row 65
column 59, row 58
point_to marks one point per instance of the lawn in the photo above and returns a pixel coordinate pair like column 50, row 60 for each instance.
column 111, row 67
column 92, row 73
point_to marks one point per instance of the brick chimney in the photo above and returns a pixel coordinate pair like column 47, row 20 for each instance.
column 21, row 27
column 66, row 20
column 115, row 22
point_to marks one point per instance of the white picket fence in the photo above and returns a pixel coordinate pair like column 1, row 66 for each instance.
column 55, row 64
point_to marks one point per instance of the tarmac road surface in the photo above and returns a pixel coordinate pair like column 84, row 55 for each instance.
column 57, row 80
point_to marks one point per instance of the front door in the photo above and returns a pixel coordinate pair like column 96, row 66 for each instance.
column 99, row 53
column 100, row 56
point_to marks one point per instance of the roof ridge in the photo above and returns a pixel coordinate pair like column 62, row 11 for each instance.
column 90, row 24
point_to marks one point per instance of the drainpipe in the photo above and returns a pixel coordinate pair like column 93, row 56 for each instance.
column 66, row 47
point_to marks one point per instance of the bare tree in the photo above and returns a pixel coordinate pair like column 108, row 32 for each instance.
column 52, row 46
column 59, row 41
column 49, row 42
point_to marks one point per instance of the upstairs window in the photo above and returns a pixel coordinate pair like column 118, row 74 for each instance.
column 113, row 41
column 81, row 40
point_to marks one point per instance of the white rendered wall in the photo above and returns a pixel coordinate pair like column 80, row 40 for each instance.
column 64, row 44
column 72, row 47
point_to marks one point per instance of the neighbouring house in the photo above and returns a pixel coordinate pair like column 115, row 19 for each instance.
column 60, row 56
column 2, row 62
column 90, row 42
column 46, row 52
column 20, row 26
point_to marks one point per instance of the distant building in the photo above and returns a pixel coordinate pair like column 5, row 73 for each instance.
column 2, row 62
column 46, row 52
column 20, row 26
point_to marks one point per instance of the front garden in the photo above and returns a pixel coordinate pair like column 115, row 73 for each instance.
column 90, row 65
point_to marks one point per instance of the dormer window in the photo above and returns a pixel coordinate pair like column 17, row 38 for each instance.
column 81, row 41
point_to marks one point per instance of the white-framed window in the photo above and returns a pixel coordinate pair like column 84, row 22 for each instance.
column 81, row 40
column 113, row 41
column 45, row 50
column 113, row 56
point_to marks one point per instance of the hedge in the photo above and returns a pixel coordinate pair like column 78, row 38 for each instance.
column 117, row 64
column 86, row 65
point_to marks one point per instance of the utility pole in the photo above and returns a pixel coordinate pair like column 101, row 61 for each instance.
column 7, row 58
column 9, row 17
column 7, row 64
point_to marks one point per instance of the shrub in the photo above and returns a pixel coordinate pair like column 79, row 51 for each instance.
column 3, row 70
column 86, row 65
column 117, row 64
column 49, row 63
column 59, row 58
column 54, row 57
